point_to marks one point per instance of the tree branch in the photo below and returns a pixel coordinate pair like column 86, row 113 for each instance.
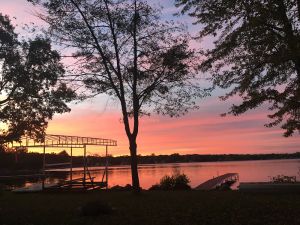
column 104, row 60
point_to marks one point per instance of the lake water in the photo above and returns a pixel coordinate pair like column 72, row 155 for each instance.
column 249, row 171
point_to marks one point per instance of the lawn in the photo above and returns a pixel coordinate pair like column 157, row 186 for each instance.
column 156, row 207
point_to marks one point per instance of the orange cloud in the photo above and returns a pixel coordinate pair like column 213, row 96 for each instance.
column 201, row 132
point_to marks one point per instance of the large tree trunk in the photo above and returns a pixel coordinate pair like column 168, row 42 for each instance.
column 132, row 145
column 134, row 163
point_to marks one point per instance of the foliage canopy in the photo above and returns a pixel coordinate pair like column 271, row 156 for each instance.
column 30, row 90
column 256, row 53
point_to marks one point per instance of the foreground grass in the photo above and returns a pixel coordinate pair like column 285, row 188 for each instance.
column 168, row 208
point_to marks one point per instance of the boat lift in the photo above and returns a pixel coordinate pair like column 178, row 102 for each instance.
column 71, row 142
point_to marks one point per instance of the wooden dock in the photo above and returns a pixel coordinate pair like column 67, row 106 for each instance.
column 218, row 181
column 70, row 185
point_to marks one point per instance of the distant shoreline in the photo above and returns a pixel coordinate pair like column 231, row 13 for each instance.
column 127, row 166
column 192, row 158
column 33, row 162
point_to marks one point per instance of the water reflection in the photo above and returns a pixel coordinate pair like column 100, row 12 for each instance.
column 249, row 171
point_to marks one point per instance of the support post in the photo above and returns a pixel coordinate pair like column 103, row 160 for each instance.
column 106, row 166
column 44, row 167
column 71, row 167
column 84, row 164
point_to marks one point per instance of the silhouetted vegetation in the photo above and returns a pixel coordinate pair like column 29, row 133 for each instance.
column 31, row 90
column 177, row 181
column 256, row 54
column 177, row 158
column 129, row 53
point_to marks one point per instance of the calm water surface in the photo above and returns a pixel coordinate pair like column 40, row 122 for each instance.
column 249, row 171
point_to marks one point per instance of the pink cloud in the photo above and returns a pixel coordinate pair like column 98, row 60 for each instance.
column 22, row 10
column 202, row 131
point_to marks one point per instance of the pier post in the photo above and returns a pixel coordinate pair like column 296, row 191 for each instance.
column 71, row 167
column 44, row 167
column 106, row 166
column 84, row 164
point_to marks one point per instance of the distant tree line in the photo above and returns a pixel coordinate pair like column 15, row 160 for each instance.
column 177, row 158
column 27, row 162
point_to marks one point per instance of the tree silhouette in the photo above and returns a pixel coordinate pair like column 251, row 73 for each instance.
column 30, row 91
column 256, row 54
column 127, row 52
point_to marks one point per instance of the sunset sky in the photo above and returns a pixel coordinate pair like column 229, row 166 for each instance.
column 201, row 132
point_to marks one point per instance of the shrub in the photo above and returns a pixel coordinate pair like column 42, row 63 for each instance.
column 177, row 181
column 167, row 182
column 181, row 182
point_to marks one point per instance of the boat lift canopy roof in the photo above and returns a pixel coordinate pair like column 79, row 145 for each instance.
column 54, row 140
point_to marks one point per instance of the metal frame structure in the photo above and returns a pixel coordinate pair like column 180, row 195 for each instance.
column 64, row 141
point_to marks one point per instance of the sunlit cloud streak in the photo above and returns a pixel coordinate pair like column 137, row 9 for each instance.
column 200, row 132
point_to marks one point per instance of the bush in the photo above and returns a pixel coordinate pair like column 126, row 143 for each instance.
column 177, row 181
column 167, row 182
column 181, row 182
